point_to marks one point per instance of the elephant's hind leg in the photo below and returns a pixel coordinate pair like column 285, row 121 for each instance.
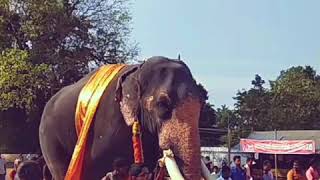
column 55, row 156
column 57, row 161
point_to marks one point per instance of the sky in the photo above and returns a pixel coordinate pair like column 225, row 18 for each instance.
column 226, row 42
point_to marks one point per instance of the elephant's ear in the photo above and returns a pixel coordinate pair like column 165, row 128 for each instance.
column 127, row 94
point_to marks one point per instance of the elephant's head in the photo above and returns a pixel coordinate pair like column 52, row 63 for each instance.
column 163, row 95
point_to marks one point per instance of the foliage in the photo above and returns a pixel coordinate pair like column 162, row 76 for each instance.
column 227, row 118
column 292, row 102
column 68, row 36
column 48, row 44
column 296, row 99
column 253, row 106
column 207, row 116
column 20, row 80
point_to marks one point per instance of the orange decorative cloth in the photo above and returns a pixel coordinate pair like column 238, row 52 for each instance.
column 137, row 143
column 88, row 102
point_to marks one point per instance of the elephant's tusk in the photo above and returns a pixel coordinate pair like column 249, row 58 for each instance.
column 171, row 165
column 205, row 172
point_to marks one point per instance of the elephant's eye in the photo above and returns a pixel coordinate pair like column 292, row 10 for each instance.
column 164, row 107
column 163, row 102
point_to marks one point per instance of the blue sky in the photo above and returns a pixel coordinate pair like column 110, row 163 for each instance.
column 226, row 42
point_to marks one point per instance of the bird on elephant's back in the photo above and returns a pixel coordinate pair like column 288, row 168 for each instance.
column 160, row 93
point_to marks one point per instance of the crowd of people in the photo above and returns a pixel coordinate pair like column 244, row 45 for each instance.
column 122, row 169
column 30, row 168
column 35, row 169
column 239, row 172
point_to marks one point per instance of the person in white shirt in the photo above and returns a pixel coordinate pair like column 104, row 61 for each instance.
column 215, row 172
column 248, row 167
column 225, row 173
column 3, row 168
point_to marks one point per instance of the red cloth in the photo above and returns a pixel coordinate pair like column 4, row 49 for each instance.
column 161, row 174
column 12, row 174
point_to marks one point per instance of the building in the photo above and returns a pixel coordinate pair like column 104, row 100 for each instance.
column 218, row 154
column 288, row 146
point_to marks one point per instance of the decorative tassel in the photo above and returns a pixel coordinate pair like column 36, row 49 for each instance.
column 137, row 143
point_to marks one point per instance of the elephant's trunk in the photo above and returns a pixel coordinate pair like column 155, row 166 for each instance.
column 181, row 134
column 189, row 152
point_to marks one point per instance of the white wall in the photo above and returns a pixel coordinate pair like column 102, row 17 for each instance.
column 218, row 154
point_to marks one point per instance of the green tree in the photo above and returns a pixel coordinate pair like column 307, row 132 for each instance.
column 296, row 99
column 48, row 44
column 68, row 36
column 228, row 118
column 207, row 116
column 20, row 83
column 253, row 106
column 20, row 80
column 258, row 82
column 292, row 102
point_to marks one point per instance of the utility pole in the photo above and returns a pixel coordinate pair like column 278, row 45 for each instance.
column 275, row 157
column 229, row 142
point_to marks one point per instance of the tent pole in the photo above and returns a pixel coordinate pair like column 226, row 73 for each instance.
column 275, row 157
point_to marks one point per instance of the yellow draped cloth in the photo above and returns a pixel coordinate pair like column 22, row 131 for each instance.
column 88, row 102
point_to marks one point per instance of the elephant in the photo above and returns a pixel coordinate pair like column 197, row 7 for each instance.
column 160, row 92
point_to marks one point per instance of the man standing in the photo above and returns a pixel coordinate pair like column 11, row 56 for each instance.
column 296, row 173
column 248, row 168
column 267, row 174
column 225, row 173
column 237, row 173
column 2, row 168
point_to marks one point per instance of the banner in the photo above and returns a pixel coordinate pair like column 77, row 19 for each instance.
column 278, row 147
